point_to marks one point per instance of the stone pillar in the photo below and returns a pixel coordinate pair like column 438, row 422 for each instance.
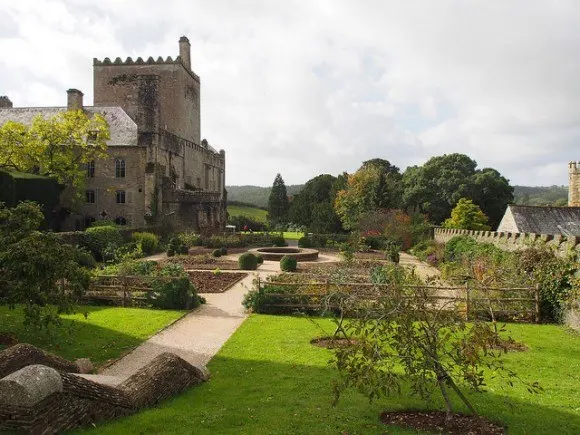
column 74, row 99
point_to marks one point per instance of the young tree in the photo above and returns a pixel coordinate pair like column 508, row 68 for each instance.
column 57, row 147
column 278, row 203
column 36, row 269
column 404, row 336
column 467, row 216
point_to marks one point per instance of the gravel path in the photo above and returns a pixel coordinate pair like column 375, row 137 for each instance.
column 197, row 337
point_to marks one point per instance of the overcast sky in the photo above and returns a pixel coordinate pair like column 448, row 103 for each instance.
column 310, row 87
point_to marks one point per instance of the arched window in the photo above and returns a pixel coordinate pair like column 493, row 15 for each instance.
column 90, row 196
column 120, row 168
column 120, row 194
column 120, row 220
column 91, row 169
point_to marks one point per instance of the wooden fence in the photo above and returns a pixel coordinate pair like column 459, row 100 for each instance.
column 515, row 303
column 124, row 290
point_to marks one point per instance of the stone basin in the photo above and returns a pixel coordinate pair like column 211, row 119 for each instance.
column 276, row 253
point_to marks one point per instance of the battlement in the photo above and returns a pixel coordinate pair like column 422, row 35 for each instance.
column 139, row 61
column 573, row 167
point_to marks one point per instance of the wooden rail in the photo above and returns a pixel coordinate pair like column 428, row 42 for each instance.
column 469, row 300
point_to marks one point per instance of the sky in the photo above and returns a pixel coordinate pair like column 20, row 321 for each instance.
column 305, row 87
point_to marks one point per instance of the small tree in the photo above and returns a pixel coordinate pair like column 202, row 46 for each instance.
column 404, row 335
column 467, row 216
column 36, row 269
column 278, row 203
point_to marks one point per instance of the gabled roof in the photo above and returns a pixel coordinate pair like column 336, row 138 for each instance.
column 122, row 128
column 546, row 220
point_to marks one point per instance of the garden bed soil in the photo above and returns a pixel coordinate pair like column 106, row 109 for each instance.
column 332, row 343
column 198, row 250
column 210, row 282
column 203, row 262
column 7, row 339
column 434, row 421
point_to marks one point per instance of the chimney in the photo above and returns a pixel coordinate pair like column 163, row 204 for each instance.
column 185, row 52
column 5, row 102
column 74, row 99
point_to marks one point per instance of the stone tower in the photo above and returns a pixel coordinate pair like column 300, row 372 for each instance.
column 574, row 186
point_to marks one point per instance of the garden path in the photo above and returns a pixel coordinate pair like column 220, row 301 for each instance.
column 197, row 336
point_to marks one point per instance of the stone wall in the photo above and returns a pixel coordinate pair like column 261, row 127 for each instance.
column 562, row 246
column 574, row 184
column 512, row 241
column 39, row 399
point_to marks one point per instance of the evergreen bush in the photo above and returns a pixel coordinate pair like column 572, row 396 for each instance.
column 148, row 241
column 248, row 261
column 304, row 242
column 217, row 253
column 288, row 263
column 101, row 239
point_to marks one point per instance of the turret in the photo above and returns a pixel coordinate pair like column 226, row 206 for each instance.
column 5, row 102
column 185, row 52
column 574, row 185
column 74, row 99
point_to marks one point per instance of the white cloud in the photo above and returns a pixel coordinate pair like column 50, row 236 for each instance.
column 304, row 88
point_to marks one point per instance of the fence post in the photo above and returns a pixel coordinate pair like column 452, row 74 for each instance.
column 537, row 298
column 124, row 286
column 466, row 302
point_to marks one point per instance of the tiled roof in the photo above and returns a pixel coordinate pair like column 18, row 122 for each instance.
column 547, row 220
column 122, row 128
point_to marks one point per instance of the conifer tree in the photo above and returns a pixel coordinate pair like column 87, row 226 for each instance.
column 278, row 204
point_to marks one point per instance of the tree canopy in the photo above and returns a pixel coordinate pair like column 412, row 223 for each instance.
column 439, row 184
column 57, row 147
column 313, row 206
column 278, row 203
column 377, row 184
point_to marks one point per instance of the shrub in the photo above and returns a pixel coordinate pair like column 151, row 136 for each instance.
column 258, row 301
column 260, row 259
column 148, row 241
column 392, row 252
column 190, row 239
column 248, row 261
column 304, row 242
column 85, row 258
column 278, row 241
column 288, row 263
column 98, row 239
column 170, row 252
column 217, row 253
column 183, row 250
column 224, row 250
column 176, row 246
column 173, row 290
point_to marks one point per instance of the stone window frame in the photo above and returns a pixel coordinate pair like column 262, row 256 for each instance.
column 91, row 169
column 90, row 196
column 121, row 197
column 120, row 168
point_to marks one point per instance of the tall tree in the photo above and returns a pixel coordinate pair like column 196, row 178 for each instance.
column 57, row 147
column 376, row 185
column 313, row 206
column 278, row 203
column 439, row 184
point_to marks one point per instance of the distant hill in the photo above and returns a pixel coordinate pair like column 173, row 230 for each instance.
column 256, row 195
column 540, row 195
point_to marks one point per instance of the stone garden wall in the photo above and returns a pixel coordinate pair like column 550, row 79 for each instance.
column 512, row 241
column 562, row 246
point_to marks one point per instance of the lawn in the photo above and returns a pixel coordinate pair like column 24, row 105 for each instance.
column 252, row 212
column 105, row 334
column 269, row 379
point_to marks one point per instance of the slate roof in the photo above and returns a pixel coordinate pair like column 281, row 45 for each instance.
column 547, row 220
column 122, row 128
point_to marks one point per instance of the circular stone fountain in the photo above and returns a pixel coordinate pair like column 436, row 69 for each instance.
column 276, row 253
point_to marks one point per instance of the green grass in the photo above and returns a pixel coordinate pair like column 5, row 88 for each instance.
column 252, row 212
column 269, row 379
column 105, row 334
